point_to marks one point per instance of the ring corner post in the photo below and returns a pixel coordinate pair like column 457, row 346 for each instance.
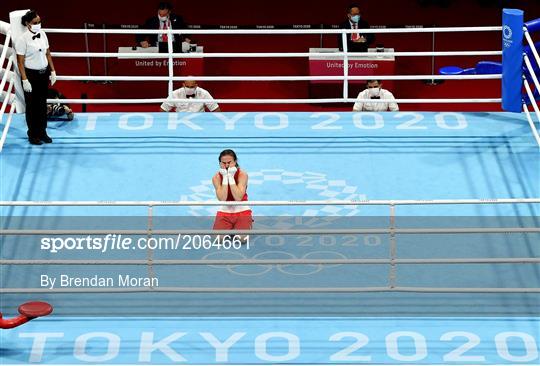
column 512, row 60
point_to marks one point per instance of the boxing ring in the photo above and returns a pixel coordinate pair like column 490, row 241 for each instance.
column 379, row 238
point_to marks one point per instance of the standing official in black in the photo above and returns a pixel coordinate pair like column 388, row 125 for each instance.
column 164, row 19
column 36, row 67
column 356, row 42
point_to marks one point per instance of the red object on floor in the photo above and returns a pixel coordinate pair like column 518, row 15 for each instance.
column 35, row 309
column 28, row 311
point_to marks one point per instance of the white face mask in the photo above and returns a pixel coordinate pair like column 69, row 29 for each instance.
column 190, row 91
column 35, row 28
column 374, row 92
column 163, row 19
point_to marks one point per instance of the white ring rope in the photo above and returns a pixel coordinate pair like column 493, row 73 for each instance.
column 283, row 78
column 267, row 54
column 5, row 50
column 303, row 261
column 345, row 65
column 531, row 97
column 275, row 31
column 270, row 290
column 533, row 48
column 7, row 126
column 7, row 97
column 488, row 201
column 272, row 101
column 531, row 124
column 345, row 78
column 527, row 113
column 7, row 75
column 193, row 232
column 533, row 75
column 239, row 262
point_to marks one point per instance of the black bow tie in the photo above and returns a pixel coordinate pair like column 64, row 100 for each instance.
column 190, row 96
column 375, row 97
column 36, row 36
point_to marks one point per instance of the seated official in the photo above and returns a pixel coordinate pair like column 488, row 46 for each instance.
column 375, row 91
column 164, row 20
column 356, row 42
column 190, row 90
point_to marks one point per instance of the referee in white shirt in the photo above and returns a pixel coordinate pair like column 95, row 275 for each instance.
column 375, row 91
column 190, row 90
column 36, row 67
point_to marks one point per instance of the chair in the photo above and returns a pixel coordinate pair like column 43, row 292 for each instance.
column 488, row 67
column 456, row 70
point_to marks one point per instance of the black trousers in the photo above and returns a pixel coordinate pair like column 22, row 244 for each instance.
column 36, row 102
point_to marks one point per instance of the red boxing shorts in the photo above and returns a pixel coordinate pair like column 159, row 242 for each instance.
column 230, row 221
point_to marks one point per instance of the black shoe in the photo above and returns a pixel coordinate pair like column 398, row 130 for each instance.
column 35, row 141
column 46, row 139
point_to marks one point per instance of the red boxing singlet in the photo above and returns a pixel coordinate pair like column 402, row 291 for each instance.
column 230, row 197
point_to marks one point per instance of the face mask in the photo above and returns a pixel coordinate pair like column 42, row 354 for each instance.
column 35, row 28
column 163, row 19
column 374, row 92
column 355, row 18
column 190, row 91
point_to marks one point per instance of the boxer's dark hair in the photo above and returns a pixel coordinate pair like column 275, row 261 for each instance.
column 230, row 153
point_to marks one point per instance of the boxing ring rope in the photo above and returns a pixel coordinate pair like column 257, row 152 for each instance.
column 274, row 101
column 271, row 290
column 534, row 77
column 210, row 262
column 268, row 54
column 281, row 78
column 117, row 290
column 528, row 114
column 7, row 98
column 532, row 45
column 277, row 31
column 10, row 116
column 5, row 48
column 8, row 74
column 345, row 54
column 393, row 261
column 505, row 230
column 392, row 230
column 279, row 203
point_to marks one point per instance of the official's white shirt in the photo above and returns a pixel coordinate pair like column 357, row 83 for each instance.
column 33, row 50
column 200, row 93
column 391, row 105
